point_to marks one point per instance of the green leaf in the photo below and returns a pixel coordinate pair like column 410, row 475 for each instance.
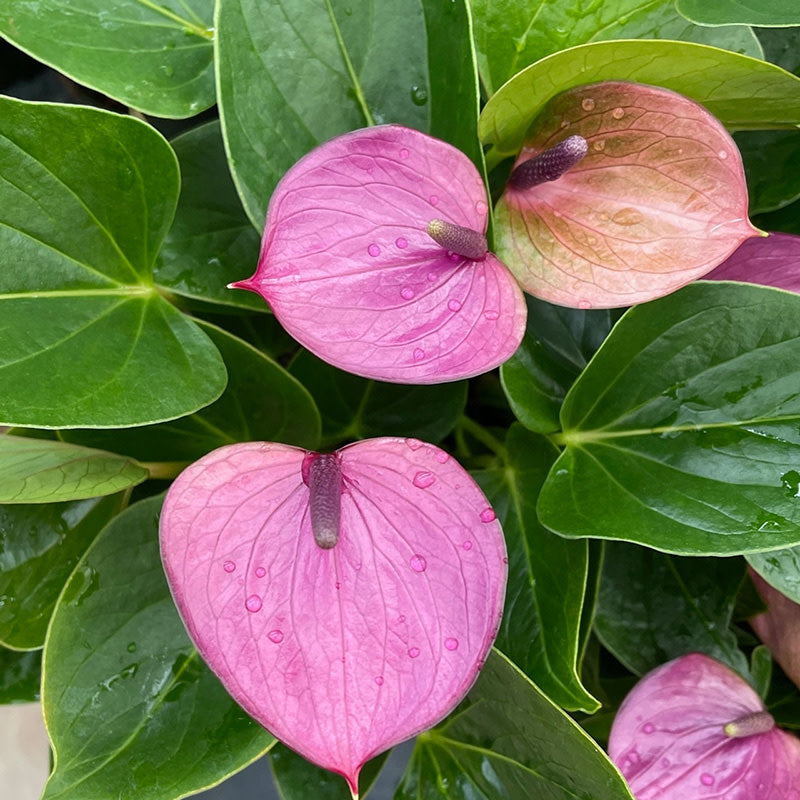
column 779, row 568
column 507, row 740
column 654, row 607
column 298, row 779
column 357, row 408
column 511, row 34
column 319, row 69
column 39, row 546
column 761, row 669
column 20, row 675
column 546, row 576
column 769, row 164
column 740, row 12
column 154, row 56
column 131, row 709
column 41, row 471
column 262, row 402
column 742, row 92
column 683, row 431
column 781, row 47
column 557, row 344
column 211, row 242
column 85, row 200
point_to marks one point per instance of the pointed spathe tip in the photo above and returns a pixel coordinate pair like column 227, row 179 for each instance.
column 245, row 284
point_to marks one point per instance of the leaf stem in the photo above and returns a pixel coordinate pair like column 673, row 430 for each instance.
column 483, row 435
column 198, row 30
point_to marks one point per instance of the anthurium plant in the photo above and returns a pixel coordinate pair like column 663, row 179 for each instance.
column 389, row 370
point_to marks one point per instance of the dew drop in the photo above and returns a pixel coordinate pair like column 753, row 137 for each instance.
column 442, row 457
column 406, row 293
column 599, row 145
column 488, row 515
column 454, row 305
column 276, row 636
column 565, row 123
column 419, row 95
column 451, row 644
column 418, row 563
column 587, row 104
column 481, row 207
column 413, row 444
column 491, row 315
column 379, row 680
column 627, row 216
column 584, row 304
column 132, row 647
column 401, row 619
column 422, row 480
column 648, row 727
column 260, row 572
column 253, row 603
column 374, row 250
column 229, row 566
column 419, row 354
column 467, row 545
column 434, row 199
column 706, row 779
column 404, row 153
column 722, row 154
column 401, row 243
column 618, row 113
column 413, row 652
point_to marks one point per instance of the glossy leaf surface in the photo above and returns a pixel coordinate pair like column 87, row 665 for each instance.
column 155, row 57
column 130, row 708
column 681, row 430
column 355, row 408
column 42, row 471
column 724, row 82
column 512, row 34
column 546, row 576
column 659, row 200
column 669, row 742
column 316, row 70
column 20, row 675
column 340, row 652
column 508, row 740
column 85, row 201
column 770, row 261
column 741, row 12
column 653, row 607
column 41, row 544
column 349, row 269
column 780, row 569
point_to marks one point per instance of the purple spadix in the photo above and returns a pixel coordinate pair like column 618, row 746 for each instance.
column 550, row 164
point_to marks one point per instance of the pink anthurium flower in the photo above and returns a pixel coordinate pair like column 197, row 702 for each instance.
column 374, row 258
column 653, row 198
column 770, row 261
column 347, row 601
column 692, row 729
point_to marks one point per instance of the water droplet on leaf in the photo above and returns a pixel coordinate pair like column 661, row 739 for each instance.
column 419, row 95
column 618, row 113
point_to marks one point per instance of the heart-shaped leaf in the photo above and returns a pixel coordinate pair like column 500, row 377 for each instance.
column 694, row 729
column 770, row 261
column 659, row 199
column 349, row 268
column 345, row 648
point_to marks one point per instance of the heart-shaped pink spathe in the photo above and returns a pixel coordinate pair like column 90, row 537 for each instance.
column 659, row 199
column 773, row 260
column 669, row 738
column 340, row 652
column 349, row 269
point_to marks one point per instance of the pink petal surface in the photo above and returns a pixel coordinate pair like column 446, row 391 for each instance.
column 773, row 260
column 659, row 200
column 342, row 652
column 779, row 627
column 669, row 743
column 349, row 270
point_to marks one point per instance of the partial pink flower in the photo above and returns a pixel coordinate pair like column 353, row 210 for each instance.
column 773, row 260
column 693, row 729
column 372, row 259
column 346, row 601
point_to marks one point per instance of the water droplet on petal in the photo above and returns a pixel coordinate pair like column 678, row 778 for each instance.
column 379, row 680
column 276, row 636
column 451, row 644
column 229, row 566
column 401, row 243
column 419, row 354
column 406, row 293
column 599, row 145
column 401, row 619
column 488, row 515
column 253, row 603
column 648, row 727
column 491, row 315
column 422, row 480
column 706, row 779
column 722, row 154
column 434, row 199
column 587, row 104
column 431, row 276
column 627, row 216
column 584, row 304
column 481, row 207
column 565, row 123
column 414, row 444
column 374, row 250
column 467, row 545
column 442, row 457
column 418, row 563
column 413, row 652
column 618, row 113
column 404, row 153
column 260, row 572
column 454, row 305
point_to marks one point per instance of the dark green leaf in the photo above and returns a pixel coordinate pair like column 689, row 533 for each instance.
column 546, row 575
column 316, row 70
column 740, row 12
column 507, row 740
column 41, row 471
column 781, row 47
column 39, row 546
column 654, row 607
column 154, row 56
column 683, row 432
column 85, row 200
column 211, row 242
column 356, row 408
column 131, row 709
column 262, row 402
column 20, row 675
column 511, row 34
column 557, row 344
column 761, row 669
column 769, row 159
column 779, row 568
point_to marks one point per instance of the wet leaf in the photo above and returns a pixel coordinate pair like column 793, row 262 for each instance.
column 780, row 569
